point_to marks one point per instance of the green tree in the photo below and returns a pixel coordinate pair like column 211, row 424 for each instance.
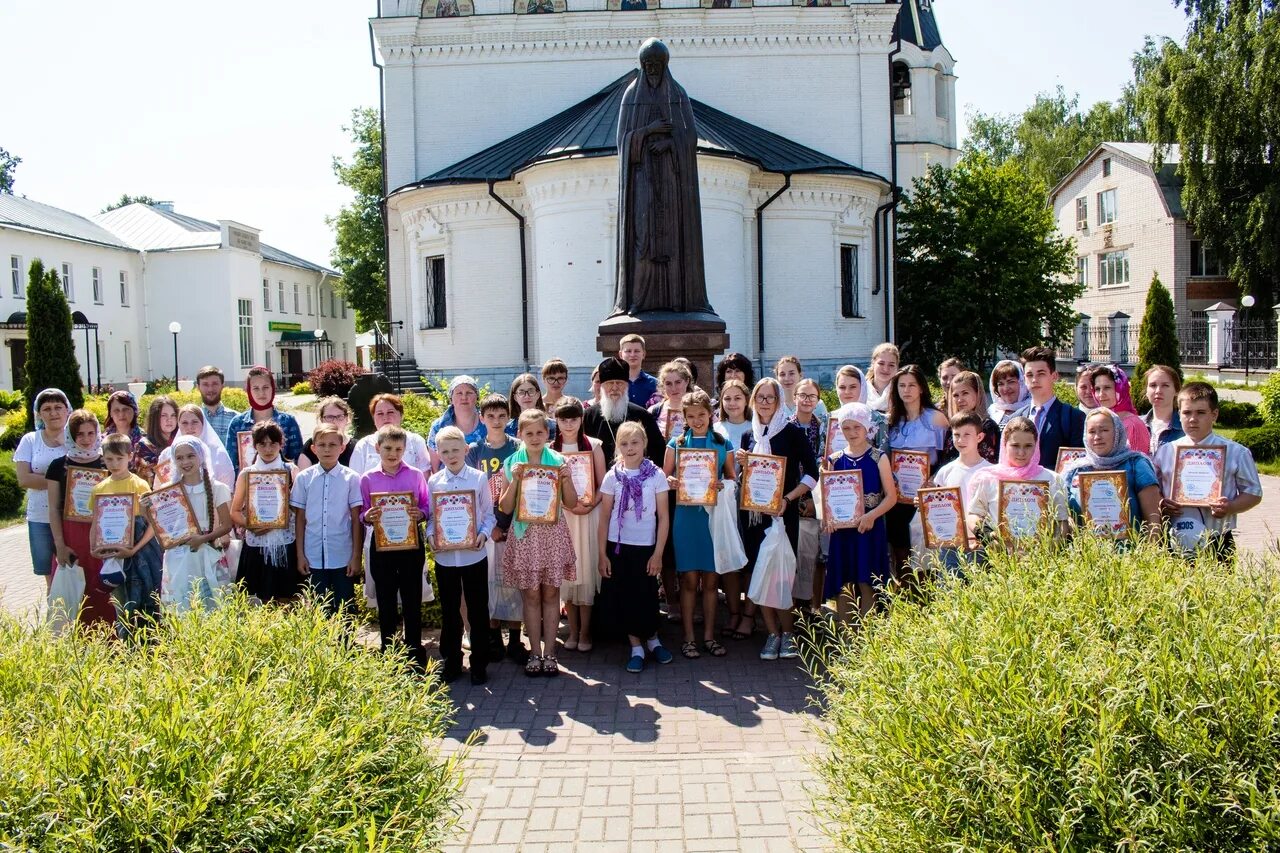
column 359, row 249
column 51, row 354
column 1218, row 97
column 981, row 265
column 8, row 166
column 126, row 199
column 1158, row 335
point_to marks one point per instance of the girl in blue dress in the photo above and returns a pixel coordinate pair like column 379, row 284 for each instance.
column 695, row 554
column 1106, row 448
column 859, row 556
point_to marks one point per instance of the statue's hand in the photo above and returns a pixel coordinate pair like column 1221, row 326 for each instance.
column 660, row 146
column 660, row 126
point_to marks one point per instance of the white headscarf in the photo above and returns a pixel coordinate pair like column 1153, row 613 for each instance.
column 198, row 446
column 862, row 381
column 215, row 456
column 75, row 453
column 877, row 400
column 46, row 393
column 858, row 413
column 762, row 432
column 999, row 410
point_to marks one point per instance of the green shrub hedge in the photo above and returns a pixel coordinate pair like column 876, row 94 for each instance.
column 1238, row 415
column 1270, row 407
column 419, row 413
column 1263, row 442
column 243, row 729
column 303, row 387
column 11, row 494
column 1076, row 699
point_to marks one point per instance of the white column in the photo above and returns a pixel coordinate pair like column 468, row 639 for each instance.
column 1276, row 309
column 1118, row 337
column 1220, row 315
column 1080, row 348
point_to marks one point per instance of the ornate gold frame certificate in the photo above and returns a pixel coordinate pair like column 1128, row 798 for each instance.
column 261, row 485
column 1198, row 472
column 454, row 518
column 915, row 464
column 538, row 501
column 942, row 518
column 170, row 515
column 399, row 532
column 763, row 475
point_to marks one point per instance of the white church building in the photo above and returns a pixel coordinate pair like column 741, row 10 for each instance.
column 500, row 121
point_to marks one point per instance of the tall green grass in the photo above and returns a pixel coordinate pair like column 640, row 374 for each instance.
column 245, row 729
column 1078, row 699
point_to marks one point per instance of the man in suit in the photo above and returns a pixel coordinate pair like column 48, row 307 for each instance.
column 1058, row 424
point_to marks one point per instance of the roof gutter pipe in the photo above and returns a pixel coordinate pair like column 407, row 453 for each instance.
column 524, row 273
column 786, row 184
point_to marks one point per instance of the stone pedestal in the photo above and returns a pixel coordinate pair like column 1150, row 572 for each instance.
column 699, row 337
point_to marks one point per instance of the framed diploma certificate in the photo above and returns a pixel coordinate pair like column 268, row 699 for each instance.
column 538, row 501
column 942, row 517
column 672, row 423
column 170, row 514
column 762, row 479
column 696, row 475
column 583, row 473
column 268, row 499
column 842, row 503
column 394, row 530
column 245, row 453
column 911, row 471
column 1067, row 455
column 80, row 483
column 164, row 470
column 454, row 514
column 1023, row 508
column 1104, row 502
column 1197, row 474
column 835, row 437
column 114, row 517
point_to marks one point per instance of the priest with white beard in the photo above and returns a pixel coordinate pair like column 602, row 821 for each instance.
column 602, row 419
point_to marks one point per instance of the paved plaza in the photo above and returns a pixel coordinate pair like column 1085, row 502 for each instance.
column 710, row 754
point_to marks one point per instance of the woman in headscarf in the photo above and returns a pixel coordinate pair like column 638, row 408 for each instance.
column 83, row 441
column 260, row 385
column 1008, row 390
column 1019, row 460
column 1106, row 448
column 772, row 433
column 1111, row 388
column 191, row 422
column 36, row 452
column 851, row 387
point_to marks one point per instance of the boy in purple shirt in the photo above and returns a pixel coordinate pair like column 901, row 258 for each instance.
column 397, row 572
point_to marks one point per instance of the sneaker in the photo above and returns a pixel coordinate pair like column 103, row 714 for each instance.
column 661, row 655
column 466, row 641
column 636, row 664
column 770, row 650
column 787, row 649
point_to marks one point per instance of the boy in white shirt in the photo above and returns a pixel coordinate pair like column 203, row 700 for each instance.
column 328, row 533
column 966, row 436
column 1200, row 527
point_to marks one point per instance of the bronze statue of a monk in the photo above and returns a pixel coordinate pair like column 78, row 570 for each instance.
column 660, row 266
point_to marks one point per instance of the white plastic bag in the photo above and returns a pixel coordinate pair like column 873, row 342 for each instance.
column 775, row 570
column 506, row 603
column 65, row 596
column 370, row 593
column 190, row 578
column 726, row 541
column 808, row 546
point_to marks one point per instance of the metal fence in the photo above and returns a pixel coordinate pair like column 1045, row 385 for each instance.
column 1193, row 340
column 1251, row 343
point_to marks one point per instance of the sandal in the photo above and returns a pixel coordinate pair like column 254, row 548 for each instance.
column 584, row 647
column 739, row 634
column 550, row 666
column 533, row 668
column 714, row 649
column 690, row 650
column 727, row 631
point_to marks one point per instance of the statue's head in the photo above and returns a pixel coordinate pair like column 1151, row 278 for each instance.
column 654, row 57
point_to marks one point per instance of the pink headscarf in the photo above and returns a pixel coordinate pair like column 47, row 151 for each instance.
column 1124, row 400
column 1005, row 469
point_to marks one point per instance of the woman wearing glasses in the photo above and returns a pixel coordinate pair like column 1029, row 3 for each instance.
column 335, row 412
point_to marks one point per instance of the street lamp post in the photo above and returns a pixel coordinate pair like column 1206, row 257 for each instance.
column 319, row 333
column 175, row 327
column 1246, row 303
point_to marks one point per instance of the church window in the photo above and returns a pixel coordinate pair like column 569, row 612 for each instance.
column 433, row 304
column 940, row 98
column 901, row 89
column 850, row 301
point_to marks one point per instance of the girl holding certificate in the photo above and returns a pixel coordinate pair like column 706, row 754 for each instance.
column 914, row 424
column 1019, row 460
column 579, row 595
column 539, row 558
column 695, row 554
column 190, row 567
column 773, row 434
column 268, row 568
column 1106, row 448
column 71, row 481
column 858, row 560
column 851, row 387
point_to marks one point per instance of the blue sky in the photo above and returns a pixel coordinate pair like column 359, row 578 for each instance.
column 234, row 110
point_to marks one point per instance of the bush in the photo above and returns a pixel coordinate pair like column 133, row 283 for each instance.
column 51, row 352
column 303, row 387
column 12, row 401
column 1073, row 699
column 15, row 426
column 234, row 398
column 1270, row 405
column 333, row 378
column 243, row 729
column 11, row 494
column 1236, row 415
column 1263, row 442
column 1066, row 392
column 419, row 413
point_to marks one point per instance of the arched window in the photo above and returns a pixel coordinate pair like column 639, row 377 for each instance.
column 942, row 94
column 900, row 86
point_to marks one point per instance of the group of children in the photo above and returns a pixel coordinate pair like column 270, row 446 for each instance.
column 619, row 534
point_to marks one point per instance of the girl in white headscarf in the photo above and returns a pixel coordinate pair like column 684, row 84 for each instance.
column 192, row 422
column 190, row 568
column 851, row 387
column 1008, row 390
